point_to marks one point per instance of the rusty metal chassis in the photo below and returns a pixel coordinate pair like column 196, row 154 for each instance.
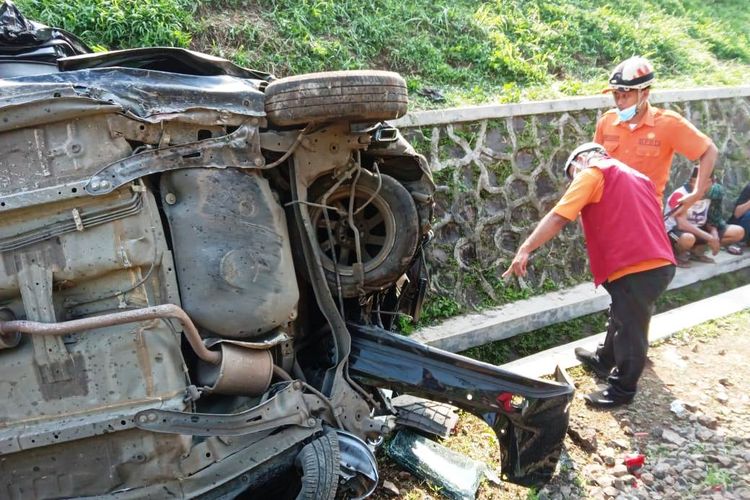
column 317, row 150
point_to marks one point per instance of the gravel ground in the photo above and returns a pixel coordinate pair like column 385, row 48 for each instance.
column 691, row 420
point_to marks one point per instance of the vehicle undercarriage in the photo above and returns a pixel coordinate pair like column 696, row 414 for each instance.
column 200, row 265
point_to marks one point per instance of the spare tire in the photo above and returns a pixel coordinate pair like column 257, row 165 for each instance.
column 354, row 96
column 388, row 227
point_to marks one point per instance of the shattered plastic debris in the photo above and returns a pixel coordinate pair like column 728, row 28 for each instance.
column 456, row 475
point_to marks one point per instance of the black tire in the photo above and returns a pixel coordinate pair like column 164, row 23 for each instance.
column 318, row 463
column 354, row 96
column 389, row 232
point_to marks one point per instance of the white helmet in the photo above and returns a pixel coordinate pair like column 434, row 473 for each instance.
column 583, row 148
column 632, row 74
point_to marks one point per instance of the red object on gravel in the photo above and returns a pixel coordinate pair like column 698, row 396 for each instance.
column 634, row 462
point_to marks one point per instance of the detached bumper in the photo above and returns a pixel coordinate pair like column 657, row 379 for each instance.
column 529, row 416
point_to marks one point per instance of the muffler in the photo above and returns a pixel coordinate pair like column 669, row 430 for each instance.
column 241, row 371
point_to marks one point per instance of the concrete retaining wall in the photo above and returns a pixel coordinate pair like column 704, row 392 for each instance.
column 497, row 168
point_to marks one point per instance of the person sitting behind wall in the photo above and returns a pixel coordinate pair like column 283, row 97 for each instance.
column 741, row 212
column 691, row 231
column 716, row 193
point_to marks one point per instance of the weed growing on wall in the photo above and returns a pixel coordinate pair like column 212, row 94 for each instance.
column 439, row 307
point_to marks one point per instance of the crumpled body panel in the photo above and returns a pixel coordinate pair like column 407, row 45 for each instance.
column 146, row 93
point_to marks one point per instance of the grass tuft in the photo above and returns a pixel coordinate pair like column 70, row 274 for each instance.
column 117, row 24
column 501, row 50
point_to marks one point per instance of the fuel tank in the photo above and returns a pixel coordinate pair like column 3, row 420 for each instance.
column 231, row 249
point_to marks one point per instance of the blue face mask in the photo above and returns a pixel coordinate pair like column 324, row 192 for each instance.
column 627, row 113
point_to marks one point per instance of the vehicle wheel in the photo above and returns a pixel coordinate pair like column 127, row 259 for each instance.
column 318, row 463
column 356, row 96
column 388, row 231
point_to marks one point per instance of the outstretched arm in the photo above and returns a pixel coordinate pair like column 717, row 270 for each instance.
column 547, row 229
column 705, row 169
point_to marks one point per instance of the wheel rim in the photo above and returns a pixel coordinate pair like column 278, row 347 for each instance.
column 376, row 224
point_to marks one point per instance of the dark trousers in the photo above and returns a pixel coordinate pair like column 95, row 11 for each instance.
column 626, row 342
column 743, row 221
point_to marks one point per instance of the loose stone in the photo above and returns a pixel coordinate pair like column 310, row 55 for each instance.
column 672, row 437
column 647, row 478
column 619, row 470
column 391, row 488
column 604, row 481
column 611, row 491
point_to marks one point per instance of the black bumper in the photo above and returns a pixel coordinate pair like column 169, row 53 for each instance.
column 529, row 416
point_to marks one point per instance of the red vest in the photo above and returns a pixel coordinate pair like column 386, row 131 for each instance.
column 626, row 226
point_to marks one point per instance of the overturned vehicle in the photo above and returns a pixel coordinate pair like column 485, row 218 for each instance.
column 200, row 265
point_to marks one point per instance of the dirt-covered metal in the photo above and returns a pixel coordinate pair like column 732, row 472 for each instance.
column 142, row 185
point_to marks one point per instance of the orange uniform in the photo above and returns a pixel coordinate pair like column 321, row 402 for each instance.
column 650, row 146
column 587, row 187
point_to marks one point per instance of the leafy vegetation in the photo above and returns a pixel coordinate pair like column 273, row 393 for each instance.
column 439, row 307
column 503, row 351
column 470, row 52
column 501, row 50
column 116, row 24
column 701, row 290
column 717, row 478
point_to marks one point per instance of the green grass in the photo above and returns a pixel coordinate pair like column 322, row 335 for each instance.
column 500, row 51
column 472, row 52
column 503, row 351
column 116, row 24
column 716, row 477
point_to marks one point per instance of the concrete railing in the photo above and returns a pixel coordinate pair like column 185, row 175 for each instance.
column 471, row 330
column 446, row 116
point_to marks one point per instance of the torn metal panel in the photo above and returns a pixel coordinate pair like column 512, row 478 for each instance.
column 173, row 59
column 20, row 34
column 35, row 111
column 148, row 94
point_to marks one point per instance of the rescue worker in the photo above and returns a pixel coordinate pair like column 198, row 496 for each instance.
column 629, row 254
column 645, row 137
